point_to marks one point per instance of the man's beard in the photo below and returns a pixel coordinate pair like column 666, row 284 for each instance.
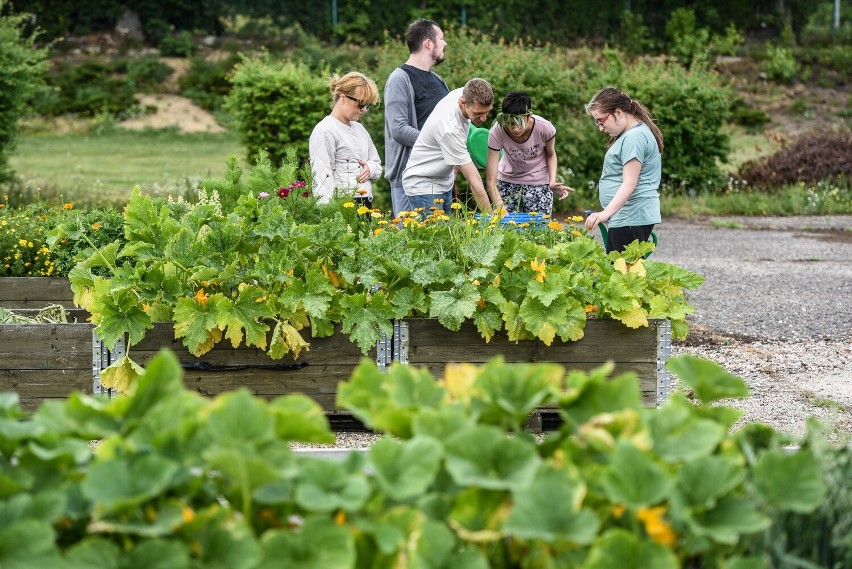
column 438, row 59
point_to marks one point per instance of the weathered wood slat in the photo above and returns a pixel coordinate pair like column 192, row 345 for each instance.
column 46, row 346
column 35, row 292
column 41, row 384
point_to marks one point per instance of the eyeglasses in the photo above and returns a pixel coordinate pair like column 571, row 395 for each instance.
column 600, row 122
column 361, row 104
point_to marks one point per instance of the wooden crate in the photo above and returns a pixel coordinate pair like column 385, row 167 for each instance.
column 316, row 372
column 45, row 361
column 426, row 343
column 35, row 292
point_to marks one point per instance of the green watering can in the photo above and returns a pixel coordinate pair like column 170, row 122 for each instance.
column 652, row 238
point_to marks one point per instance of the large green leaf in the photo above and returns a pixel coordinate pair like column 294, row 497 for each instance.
column 550, row 509
column 620, row 549
column 704, row 480
column 452, row 307
column 157, row 554
column 121, row 314
column 483, row 457
column 678, row 434
column 483, row 248
column 121, row 374
column 325, row 486
column 634, row 479
column 93, row 553
column 405, row 470
column 222, row 540
column 597, row 395
column 127, row 482
column 240, row 417
column 790, row 481
column 299, row 418
column 245, row 469
column 729, row 520
column 28, row 544
column 245, row 313
column 506, row 394
column 318, row 544
column 366, row 317
column 198, row 323
column 707, row 379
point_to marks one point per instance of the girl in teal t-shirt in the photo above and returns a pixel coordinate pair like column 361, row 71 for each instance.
column 632, row 169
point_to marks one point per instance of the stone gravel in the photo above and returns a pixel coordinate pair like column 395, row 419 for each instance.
column 775, row 309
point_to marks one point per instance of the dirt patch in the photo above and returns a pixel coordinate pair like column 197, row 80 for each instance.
column 172, row 111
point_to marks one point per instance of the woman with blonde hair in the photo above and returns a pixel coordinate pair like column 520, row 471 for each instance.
column 628, row 188
column 343, row 157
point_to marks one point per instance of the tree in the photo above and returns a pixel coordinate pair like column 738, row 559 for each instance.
column 22, row 71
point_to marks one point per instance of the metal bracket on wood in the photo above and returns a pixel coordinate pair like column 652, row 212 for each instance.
column 400, row 341
column 664, row 351
column 384, row 352
column 102, row 358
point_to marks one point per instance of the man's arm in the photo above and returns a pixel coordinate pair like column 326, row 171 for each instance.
column 398, row 102
column 471, row 173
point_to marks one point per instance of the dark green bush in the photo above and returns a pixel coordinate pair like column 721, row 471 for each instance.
column 22, row 68
column 206, row 82
column 276, row 104
column 88, row 88
column 180, row 44
column 748, row 117
column 147, row 72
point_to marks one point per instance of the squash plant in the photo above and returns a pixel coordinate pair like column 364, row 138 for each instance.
column 183, row 481
column 257, row 262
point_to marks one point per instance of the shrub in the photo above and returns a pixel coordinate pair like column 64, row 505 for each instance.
column 180, row 44
column 276, row 104
column 147, row 72
column 810, row 158
column 780, row 65
column 22, row 68
column 206, row 82
column 89, row 88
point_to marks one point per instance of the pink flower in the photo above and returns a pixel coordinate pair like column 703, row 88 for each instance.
column 283, row 192
column 263, row 195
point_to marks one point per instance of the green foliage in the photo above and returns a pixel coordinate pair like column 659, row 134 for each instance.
column 90, row 88
column 206, row 82
column 182, row 481
column 277, row 104
column 780, row 65
column 22, row 67
column 42, row 241
column 262, row 255
column 147, row 73
column 181, row 44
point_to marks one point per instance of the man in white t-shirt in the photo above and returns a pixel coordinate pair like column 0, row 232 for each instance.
column 441, row 149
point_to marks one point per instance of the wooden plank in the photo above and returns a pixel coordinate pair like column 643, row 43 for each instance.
column 42, row 384
column 35, row 292
column 604, row 340
column 46, row 346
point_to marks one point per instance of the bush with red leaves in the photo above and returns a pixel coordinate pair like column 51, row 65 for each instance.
column 809, row 159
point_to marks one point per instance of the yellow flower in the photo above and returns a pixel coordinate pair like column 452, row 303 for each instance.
column 362, row 210
column 656, row 528
column 96, row 225
column 377, row 231
column 438, row 200
column 22, row 242
column 383, row 222
column 554, row 225
column 577, row 233
column 475, row 282
column 618, row 510
column 30, row 244
column 68, row 206
column 376, row 215
column 3, row 222
column 349, row 205
column 536, row 265
column 456, row 205
column 200, row 297
column 577, row 218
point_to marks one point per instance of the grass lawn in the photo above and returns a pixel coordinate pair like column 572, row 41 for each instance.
column 103, row 168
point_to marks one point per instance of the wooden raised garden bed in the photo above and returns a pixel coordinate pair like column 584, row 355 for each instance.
column 35, row 292
column 48, row 361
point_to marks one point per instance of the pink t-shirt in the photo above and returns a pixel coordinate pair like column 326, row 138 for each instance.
column 524, row 162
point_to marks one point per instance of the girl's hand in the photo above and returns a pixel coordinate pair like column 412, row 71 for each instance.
column 595, row 219
column 560, row 190
column 365, row 172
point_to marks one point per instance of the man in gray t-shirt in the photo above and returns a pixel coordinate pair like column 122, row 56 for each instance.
column 411, row 92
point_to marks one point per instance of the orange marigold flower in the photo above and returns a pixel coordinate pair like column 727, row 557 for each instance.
column 68, row 206
column 361, row 192
column 590, row 308
column 618, row 510
column 200, row 297
column 656, row 527
column 188, row 514
column 340, row 517
column 377, row 231
column 96, row 225
column 554, row 225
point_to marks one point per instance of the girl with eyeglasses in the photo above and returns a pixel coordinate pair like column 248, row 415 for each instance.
column 630, row 179
column 525, row 175
column 343, row 157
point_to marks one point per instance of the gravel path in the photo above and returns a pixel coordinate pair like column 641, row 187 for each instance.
column 775, row 309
